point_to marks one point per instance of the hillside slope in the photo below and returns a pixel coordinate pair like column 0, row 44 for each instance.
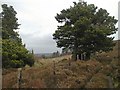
column 61, row 72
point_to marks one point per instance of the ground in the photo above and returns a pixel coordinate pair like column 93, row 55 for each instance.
column 61, row 72
column 101, row 71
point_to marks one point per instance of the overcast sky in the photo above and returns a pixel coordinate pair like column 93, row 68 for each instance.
column 38, row 23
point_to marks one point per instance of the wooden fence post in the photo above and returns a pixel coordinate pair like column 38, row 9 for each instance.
column 69, row 63
column 19, row 77
column 54, row 67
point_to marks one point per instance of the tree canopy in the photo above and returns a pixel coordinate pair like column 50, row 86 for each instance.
column 85, row 29
column 14, row 54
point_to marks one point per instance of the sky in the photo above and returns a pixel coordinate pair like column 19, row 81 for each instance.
column 37, row 19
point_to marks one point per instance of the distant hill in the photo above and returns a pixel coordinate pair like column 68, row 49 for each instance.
column 43, row 54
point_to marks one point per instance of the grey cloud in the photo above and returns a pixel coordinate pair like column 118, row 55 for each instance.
column 44, row 44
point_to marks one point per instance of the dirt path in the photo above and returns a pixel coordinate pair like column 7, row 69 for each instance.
column 47, row 62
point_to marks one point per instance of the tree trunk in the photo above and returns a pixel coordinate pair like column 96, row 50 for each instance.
column 87, row 55
column 75, row 51
column 74, row 56
column 80, row 56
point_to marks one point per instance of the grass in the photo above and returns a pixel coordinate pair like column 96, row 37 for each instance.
column 66, row 74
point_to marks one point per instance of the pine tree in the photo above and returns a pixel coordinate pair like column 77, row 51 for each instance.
column 85, row 29
column 14, row 54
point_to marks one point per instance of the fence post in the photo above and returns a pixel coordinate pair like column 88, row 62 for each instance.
column 19, row 77
column 69, row 62
column 54, row 67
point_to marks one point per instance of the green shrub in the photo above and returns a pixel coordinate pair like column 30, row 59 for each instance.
column 17, row 63
column 15, row 55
